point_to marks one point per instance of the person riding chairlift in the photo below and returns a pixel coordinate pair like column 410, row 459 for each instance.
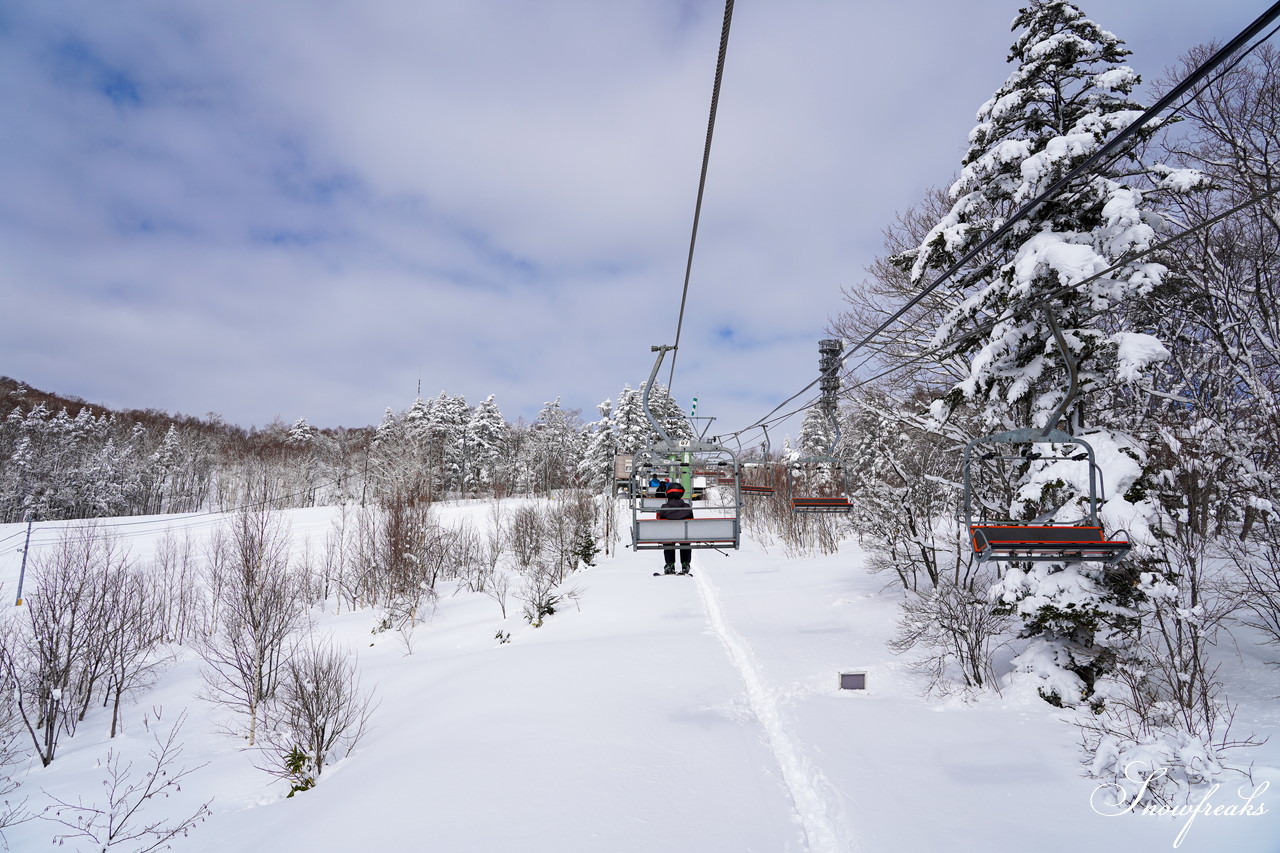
column 675, row 509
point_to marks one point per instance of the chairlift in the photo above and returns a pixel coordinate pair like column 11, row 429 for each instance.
column 720, row 528
column 1040, row 540
column 818, row 484
column 678, row 457
column 754, row 485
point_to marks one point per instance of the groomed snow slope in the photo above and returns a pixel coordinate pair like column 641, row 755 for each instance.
column 656, row 714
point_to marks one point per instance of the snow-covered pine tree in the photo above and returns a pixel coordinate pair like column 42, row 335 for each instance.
column 816, row 433
column 301, row 434
column 555, row 447
column 631, row 429
column 420, row 451
column 486, row 444
column 596, row 469
column 1069, row 93
column 449, row 418
column 164, row 468
column 668, row 413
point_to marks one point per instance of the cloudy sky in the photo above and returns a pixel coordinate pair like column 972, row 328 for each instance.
column 300, row 208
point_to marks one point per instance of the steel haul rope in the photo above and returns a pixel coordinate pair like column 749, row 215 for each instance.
column 702, row 181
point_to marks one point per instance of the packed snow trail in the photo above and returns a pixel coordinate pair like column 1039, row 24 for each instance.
column 815, row 809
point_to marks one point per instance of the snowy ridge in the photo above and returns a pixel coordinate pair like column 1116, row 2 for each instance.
column 815, row 808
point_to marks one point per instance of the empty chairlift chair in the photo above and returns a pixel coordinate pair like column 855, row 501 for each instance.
column 818, row 485
column 1036, row 541
column 758, row 478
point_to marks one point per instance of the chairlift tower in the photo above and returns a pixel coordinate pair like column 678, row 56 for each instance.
column 829, row 367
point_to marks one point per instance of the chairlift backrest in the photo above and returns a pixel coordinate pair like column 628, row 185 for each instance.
column 1031, row 438
column 807, row 497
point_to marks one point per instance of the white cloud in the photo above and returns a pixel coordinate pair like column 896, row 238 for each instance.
column 291, row 209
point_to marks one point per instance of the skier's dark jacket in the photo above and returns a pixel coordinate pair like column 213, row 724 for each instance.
column 675, row 510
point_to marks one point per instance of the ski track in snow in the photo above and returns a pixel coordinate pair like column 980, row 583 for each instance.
column 815, row 810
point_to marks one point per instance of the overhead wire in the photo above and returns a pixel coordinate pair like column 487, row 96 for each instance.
column 940, row 352
column 175, row 521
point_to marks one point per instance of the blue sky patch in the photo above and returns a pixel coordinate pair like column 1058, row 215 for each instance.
column 76, row 64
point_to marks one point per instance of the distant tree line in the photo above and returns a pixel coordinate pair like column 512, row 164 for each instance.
column 63, row 458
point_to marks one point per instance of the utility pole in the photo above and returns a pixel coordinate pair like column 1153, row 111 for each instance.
column 22, row 573
column 364, row 483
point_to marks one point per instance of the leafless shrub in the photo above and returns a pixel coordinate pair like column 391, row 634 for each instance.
column 120, row 820
column 399, row 556
column 313, row 581
column 542, row 593
column 952, row 631
column 499, row 589
column 1164, row 705
column 772, row 518
column 465, row 557
column 318, row 716
column 526, row 536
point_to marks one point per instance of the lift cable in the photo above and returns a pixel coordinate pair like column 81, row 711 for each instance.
column 951, row 348
column 702, row 182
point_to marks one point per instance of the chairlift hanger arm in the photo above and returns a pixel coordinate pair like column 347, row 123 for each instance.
column 1072, row 374
column 661, row 350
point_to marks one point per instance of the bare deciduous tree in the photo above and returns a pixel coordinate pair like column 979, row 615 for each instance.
column 499, row 589
column 178, row 590
column 59, row 653
column 260, row 612
column 11, row 813
column 132, row 631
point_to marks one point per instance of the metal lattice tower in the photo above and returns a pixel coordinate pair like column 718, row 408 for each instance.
column 829, row 366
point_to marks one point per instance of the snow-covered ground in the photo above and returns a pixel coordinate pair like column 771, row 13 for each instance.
column 655, row 714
